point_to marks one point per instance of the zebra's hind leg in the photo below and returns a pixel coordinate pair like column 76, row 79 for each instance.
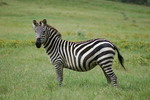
column 107, row 77
column 110, row 75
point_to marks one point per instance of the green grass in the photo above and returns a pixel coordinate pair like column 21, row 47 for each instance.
column 26, row 74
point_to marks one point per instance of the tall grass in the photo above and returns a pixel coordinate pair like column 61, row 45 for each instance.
column 26, row 74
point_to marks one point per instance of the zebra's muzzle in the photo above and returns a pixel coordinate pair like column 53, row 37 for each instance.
column 38, row 43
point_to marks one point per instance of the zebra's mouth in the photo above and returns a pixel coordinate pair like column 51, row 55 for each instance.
column 38, row 43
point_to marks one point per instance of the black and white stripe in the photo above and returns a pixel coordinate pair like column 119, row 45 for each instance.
column 79, row 56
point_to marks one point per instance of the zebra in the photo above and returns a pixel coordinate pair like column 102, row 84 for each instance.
column 77, row 56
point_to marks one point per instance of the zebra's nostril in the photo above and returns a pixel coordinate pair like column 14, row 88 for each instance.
column 38, row 43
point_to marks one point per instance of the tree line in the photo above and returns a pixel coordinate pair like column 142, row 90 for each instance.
column 142, row 2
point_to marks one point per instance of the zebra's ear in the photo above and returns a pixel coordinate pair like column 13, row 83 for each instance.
column 34, row 23
column 44, row 21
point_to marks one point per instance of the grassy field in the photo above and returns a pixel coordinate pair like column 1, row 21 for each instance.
column 25, row 71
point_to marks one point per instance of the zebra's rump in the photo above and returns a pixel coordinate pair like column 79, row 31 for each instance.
column 86, row 55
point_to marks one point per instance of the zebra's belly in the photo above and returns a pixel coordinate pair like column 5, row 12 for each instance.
column 82, row 68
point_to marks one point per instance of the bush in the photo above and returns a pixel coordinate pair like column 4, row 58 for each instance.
column 142, row 2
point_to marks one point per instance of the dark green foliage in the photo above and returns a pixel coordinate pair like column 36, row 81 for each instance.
column 141, row 2
column 3, row 3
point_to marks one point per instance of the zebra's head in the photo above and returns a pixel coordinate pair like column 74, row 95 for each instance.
column 39, row 29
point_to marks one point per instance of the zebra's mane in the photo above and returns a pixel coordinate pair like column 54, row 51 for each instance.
column 59, row 35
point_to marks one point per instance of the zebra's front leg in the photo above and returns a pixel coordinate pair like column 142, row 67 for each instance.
column 59, row 72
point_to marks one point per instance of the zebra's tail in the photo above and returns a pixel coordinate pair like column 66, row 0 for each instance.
column 120, row 58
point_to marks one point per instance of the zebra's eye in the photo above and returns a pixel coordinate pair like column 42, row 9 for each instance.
column 43, row 31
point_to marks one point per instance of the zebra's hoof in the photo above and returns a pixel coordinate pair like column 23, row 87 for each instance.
column 60, row 85
column 115, row 86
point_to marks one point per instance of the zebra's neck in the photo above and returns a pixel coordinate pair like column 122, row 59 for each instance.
column 51, row 43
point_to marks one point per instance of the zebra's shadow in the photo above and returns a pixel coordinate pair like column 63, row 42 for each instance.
column 84, row 83
column 76, row 84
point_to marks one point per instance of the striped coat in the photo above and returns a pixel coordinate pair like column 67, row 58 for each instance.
column 77, row 56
